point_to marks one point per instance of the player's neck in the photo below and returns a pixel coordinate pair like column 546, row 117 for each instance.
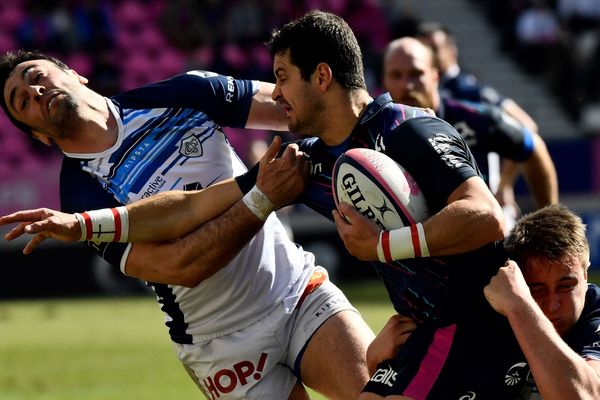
column 97, row 131
column 344, row 111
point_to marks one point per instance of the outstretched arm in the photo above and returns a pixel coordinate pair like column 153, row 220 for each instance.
column 165, row 216
column 204, row 251
column 559, row 372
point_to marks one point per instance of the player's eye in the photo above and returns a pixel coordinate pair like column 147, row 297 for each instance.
column 24, row 103
column 37, row 77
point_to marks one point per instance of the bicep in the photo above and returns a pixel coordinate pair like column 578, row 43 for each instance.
column 475, row 191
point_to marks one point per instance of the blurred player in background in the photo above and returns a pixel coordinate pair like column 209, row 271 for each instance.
column 540, row 338
column 410, row 76
column 248, row 310
column 457, row 84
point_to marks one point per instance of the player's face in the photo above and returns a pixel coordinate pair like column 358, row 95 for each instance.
column 40, row 94
column 301, row 101
column 410, row 78
column 559, row 288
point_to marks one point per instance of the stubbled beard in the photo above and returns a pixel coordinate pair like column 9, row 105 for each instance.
column 63, row 120
column 308, row 123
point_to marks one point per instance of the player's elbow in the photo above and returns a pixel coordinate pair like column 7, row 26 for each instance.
column 189, row 271
column 493, row 216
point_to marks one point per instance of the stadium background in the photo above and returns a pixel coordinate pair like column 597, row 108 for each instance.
column 545, row 55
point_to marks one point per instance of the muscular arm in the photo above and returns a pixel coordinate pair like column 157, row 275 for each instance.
column 559, row 372
column 471, row 219
column 264, row 112
column 199, row 254
column 171, row 215
column 203, row 252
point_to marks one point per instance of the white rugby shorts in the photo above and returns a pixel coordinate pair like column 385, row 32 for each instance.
column 261, row 361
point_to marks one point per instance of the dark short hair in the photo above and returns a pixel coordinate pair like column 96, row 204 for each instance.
column 317, row 37
column 8, row 63
column 550, row 233
column 428, row 28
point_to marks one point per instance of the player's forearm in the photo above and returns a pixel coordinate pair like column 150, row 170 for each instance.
column 558, row 371
column 199, row 254
column 264, row 111
column 465, row 224
column 171, row 215
column 540, row 174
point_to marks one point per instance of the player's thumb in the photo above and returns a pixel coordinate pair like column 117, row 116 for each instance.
column 272, row 151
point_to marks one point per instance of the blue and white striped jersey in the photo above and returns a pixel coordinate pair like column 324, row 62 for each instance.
column 170, row 136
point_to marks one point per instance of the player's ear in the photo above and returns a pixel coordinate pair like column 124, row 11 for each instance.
column 82, row 79
column 41, row 137
column 323, row 76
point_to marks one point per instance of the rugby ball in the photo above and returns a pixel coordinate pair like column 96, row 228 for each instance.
column 379, row 188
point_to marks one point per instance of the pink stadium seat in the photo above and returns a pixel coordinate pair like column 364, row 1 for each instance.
column 81, row 63
column 11, row 16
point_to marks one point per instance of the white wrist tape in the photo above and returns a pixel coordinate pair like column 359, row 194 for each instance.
column 258, row 203
column 105, row 225
column 403, row 243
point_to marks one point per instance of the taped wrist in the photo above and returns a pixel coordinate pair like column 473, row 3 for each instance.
column 258, row 203
column 105, row 225
column 403, row 243
column 247, row 180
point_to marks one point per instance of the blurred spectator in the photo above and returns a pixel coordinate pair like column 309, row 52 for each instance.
column 93, row 25
column 537, row 32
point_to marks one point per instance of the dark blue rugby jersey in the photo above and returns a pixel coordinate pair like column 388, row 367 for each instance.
column 489, row 133
column 436, row 157
column 463, row 86
column 486, row 360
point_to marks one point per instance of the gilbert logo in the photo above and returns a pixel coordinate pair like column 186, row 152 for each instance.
column 386, row 376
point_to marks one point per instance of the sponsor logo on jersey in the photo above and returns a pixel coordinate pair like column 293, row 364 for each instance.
column 516, row 374
column 469, row 396
column 230, row 90
column 227, row 380
column 191, row 146
column 154, row 186
column 442, row 144
column 386, row 376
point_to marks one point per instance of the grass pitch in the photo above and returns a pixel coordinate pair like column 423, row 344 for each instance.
column 110, row 349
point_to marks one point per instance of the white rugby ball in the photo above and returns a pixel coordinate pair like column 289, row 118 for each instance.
column 379, row 188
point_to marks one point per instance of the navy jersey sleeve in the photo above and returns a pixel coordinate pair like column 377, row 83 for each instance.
column 584, row 338
column 466, row 87
column 80, row 192
column 490, row 128
column 434, row 154
column 508, row 137
column 224, row 99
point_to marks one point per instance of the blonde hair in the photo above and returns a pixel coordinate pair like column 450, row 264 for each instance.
column 550, row 233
